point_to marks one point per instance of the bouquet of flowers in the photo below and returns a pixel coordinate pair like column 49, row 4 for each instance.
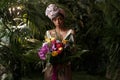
column 52, row 50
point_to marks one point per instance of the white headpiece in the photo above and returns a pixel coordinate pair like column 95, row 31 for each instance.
column 52, row 10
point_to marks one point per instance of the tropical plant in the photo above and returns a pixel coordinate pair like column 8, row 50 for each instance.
column 96, row 22
column 17, row 42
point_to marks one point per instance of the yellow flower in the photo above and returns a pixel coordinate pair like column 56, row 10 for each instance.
column 60, row 48
column 54, row 53
column 47, row 40
column 64, row 41
column 52, row 38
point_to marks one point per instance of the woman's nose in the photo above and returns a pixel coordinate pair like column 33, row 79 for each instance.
column 58, row 21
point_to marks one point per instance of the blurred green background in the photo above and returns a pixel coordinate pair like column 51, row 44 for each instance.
column 97, row 25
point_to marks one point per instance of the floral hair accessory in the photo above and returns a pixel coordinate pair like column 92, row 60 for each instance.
column 52, row 10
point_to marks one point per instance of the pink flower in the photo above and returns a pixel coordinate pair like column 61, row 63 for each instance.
column 43, row 51
column 54, row 47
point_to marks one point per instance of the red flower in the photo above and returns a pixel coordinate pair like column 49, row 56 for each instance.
column 59, row 50
column 58, row 45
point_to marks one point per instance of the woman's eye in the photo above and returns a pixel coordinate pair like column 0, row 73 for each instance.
column 54, row 19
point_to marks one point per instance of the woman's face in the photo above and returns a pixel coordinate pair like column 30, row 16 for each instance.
column 58, row 21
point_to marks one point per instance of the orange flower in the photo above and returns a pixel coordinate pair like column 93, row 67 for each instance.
column 64, row 41
column 54, row 53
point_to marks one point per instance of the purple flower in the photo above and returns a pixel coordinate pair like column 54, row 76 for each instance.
column 43, row 51
column 53, row 47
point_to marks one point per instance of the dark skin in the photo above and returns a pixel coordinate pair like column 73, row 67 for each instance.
column 59, row 27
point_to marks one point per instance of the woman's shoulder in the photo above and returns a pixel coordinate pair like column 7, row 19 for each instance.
column 51, row 30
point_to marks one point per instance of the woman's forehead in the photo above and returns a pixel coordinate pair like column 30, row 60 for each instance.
column 58, row 17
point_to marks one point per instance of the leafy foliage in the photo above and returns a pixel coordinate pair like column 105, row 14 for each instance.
column 97, row 26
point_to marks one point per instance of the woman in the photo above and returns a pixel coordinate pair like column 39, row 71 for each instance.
column 57, row 70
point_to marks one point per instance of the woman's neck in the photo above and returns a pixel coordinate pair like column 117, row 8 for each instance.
column 59, row 31
column 59, row 28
